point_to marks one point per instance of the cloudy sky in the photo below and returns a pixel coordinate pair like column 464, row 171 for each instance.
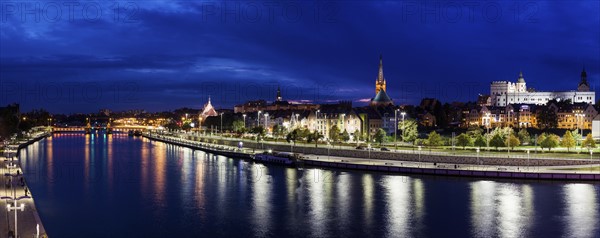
column 160, row 55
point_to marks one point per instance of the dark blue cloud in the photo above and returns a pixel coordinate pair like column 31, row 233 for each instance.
column 163, row 55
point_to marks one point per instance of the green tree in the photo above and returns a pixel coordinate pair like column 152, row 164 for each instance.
column 550, row 141
column 539, row 139
column 480, row 141
column 524, row 136
column 186, row 126
column 334, row 133
column 409, row 132
column 576, row 135
column 292, row 136
column 260, row 132
column 434, row 139
column 278, row 131
column 238, row 126
column 314, row 136
column 589, row 141
column 568, row 141
column 497, row 141
column 345, row 136
column 463, row 140
column 380, row 136
column 512, row 141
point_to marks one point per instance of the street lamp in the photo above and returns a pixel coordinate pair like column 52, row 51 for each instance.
column 244, row 121
column 15, row 208
column 528, row 165
column 369, row 149
column 403, row 126
column 420, row 156
column 266, row 125
column 343, row 121
column 591, row 166
column 395, row 129
column 488, row 130
column 258, row 118
column 478, row 161
column 221, row 124
column 317, row 118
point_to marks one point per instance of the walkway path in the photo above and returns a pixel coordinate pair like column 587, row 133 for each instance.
column 11, row 186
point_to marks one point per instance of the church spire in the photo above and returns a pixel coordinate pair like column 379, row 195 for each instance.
column 583, row 86
column 380, row 77
column 278, row 98
column 380, row 82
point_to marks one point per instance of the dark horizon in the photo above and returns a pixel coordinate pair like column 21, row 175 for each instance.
column 163, row 56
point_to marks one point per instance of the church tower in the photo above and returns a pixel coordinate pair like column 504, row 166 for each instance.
column 278, row 98
column 583, row 86
column 521, row 86
column 380, row 82
column 381, row 98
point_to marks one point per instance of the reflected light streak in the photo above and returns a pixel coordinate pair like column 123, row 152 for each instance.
column 514, row 216
column 344, row 199
column 318, row 212
column 482, row 208
column 368, row 187
column 581, row 202
column 261, row 202
column 398, row 211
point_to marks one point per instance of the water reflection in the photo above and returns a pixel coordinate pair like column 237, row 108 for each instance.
column 261, row 202
column 186, row 193
column 506, row 206
column 398, row 211
column 368, row 185
column 581, row 203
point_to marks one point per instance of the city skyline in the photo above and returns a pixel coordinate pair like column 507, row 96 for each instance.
column 323, row 55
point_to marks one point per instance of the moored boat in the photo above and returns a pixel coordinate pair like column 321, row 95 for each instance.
column 284, row 158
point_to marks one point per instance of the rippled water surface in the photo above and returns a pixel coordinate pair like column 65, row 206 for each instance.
column 119, row 186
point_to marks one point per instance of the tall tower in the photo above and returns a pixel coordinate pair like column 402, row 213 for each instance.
column 583, row 86
column 380, row 82
column 520, row 85
column 278, row 98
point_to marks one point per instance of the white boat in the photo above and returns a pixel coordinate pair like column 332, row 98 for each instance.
column 284, row 158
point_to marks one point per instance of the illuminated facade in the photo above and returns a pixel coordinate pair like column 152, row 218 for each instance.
column 505, row 93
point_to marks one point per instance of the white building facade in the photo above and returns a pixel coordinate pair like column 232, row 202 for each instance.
column 504, row 93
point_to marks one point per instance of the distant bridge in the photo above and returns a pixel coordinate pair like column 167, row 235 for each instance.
column 125, row 128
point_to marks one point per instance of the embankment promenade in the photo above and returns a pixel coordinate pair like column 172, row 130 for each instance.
column 28, row 220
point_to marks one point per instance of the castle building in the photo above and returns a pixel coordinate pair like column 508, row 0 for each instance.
column 381, row 98
column 504, row 93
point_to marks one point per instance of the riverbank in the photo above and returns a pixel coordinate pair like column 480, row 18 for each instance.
column 28, row 221
column 429, row 164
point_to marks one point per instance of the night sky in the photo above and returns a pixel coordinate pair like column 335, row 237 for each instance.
column 159, row 55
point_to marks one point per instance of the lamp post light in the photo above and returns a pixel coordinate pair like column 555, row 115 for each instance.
column 328, row 147
column 266, row 122
column 15, row 208
column 395, row 129
column 258, row 118
column 221, row 124
column 369, row 150
column 403, row 126
column 343, row 121
column 528, row 165
column 478, row 161
column 317, row 119
column 591, row 166
column 488, row 130
column 420, row 156
column 244, row 121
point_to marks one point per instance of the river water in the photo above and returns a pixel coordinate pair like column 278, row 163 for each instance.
column 120, row 186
